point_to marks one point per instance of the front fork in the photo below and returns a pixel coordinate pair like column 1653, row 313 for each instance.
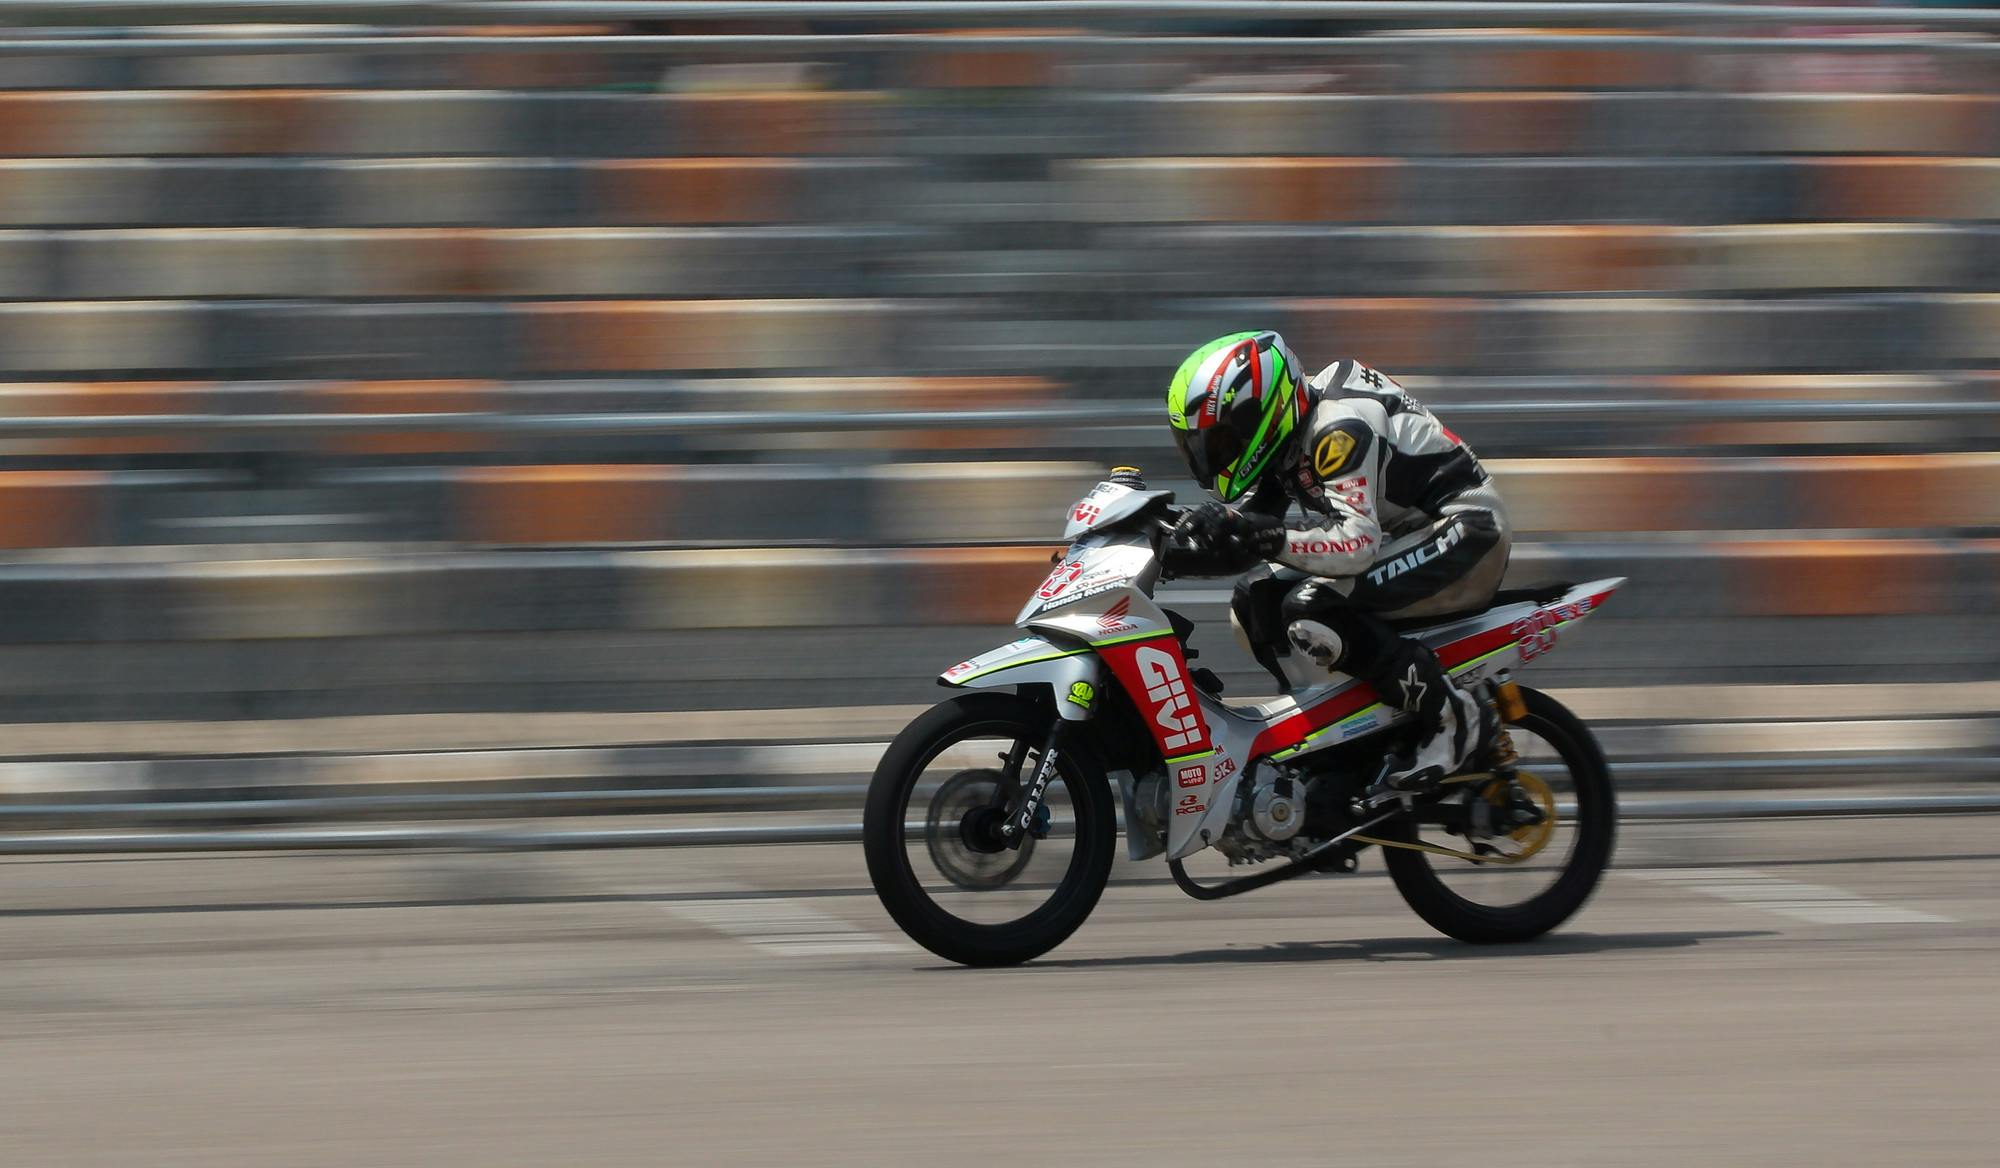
column 1027, row 802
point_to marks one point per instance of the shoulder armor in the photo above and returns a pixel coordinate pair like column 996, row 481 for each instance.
column 1338, row 442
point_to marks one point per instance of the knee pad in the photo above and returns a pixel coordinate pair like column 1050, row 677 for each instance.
column 1319, row 641
column 1318, row 616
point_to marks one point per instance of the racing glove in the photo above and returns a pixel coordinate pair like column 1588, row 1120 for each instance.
column 1228, row 539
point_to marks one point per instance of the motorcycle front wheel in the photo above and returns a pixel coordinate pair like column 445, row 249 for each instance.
column 932, row 855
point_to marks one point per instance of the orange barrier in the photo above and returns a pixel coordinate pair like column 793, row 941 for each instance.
column 565, row 504
column 699, row 190
column 637, row 335
column 50, row 508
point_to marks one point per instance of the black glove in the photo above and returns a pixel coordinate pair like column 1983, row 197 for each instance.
column 1226, row 529
column 1219, row 540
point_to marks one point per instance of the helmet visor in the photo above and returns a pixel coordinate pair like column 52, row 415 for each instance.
column 1216, row 449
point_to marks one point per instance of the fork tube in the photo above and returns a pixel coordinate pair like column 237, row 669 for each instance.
column 1010, row 764
column 1021, row 818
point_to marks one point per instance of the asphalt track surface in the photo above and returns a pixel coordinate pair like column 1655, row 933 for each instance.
column 1773, row 993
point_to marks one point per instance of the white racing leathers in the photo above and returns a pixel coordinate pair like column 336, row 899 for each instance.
column 1396, row 518
column 1392, row 505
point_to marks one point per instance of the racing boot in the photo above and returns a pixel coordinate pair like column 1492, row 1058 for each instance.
column 1453, row 725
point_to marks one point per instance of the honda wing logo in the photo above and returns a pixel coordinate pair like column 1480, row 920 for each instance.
column 1166, row 688
column 1113, row 620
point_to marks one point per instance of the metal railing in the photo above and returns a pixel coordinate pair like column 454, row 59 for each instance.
column 1116, row 13
column 696, row 799
column 760, row 44
column 1070, row 416
column 128, row 826
column 487, row 838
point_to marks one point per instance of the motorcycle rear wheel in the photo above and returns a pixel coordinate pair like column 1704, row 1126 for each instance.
column 1416, row 874
column 888, row 820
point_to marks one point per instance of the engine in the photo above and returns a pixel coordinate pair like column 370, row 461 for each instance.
column 1267, row 816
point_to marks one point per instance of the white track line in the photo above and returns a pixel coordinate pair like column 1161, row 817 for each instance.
column 1816, row 903
column 783, row 928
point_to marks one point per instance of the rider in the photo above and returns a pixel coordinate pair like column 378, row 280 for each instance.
column 1398, row 520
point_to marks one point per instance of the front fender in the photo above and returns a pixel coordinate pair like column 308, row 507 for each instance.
column 1075, row 675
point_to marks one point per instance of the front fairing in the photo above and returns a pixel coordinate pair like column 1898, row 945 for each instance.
column 1107, row 505
column 1096, row 564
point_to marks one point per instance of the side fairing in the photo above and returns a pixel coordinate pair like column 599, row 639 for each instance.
column 1477, row 647
column 1134, row 640
column 1344, row 709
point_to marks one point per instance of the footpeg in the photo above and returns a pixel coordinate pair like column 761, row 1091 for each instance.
column 1390, row 787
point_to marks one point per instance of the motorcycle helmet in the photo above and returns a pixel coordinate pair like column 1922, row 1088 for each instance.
column 1234, row 404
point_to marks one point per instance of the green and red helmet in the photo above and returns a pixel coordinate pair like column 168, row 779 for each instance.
column 1234, row 405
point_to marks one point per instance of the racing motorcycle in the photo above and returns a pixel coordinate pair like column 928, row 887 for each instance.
column 992, row 819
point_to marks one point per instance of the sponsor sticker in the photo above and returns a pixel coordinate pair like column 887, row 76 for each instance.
column 1418, row 557
column 1099, row 588
column 1323, row 547
column 1190, row 805
column 1086, row 513
column 1353, row 492
column 1151, row 671
column 1064, row 576
column 1211, row 396
column 1036, row 790
column 1536, row 633
column 1191, row 776
column 1166, row 688
column 1082, row 693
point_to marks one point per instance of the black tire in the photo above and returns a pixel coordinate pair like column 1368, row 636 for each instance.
column 1596, row 826
column 883, row 834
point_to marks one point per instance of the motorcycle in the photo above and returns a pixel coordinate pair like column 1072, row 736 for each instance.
column 1009, row 795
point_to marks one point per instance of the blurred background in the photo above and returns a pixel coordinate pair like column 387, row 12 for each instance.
column 493, row 426
column 613, row 390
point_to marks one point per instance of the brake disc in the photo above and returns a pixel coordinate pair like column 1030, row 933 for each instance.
column 959, row 837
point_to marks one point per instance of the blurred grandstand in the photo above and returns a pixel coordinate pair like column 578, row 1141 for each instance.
column 542, row 363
